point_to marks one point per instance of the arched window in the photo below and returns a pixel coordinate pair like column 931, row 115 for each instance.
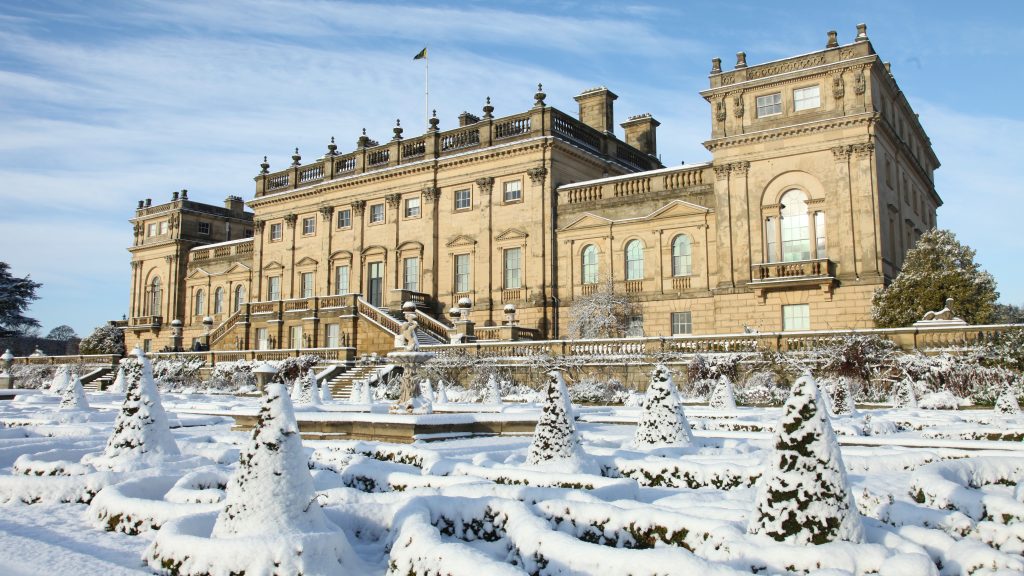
column 634, row 260
column 796, row 239
column 681, row 256
column 239, row 298
column 218, row 300
column 588, row 271
column 155, row 297
column 200, row 302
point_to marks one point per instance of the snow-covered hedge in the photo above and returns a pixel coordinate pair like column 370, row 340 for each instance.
column 953, row 485
column 589, row 390
column 177, row 374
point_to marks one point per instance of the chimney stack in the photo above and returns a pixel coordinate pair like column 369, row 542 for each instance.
column 234, row 203
column 641, row 133
column 596, row 109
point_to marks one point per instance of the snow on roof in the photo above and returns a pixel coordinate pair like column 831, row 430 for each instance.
column 645, row 173
column 219, row 244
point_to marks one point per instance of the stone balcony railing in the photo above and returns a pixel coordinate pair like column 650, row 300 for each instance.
column 145, row 321
column 370, row 156
column 773, row 275
column 205, row 255
column 695, row 179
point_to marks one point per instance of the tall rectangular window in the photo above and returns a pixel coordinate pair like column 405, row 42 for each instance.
column 163, row 227
column 306, row 284
column 769, row 105
column 796, row 317
column 513, row 191
column 462, row 272
column 376, row 213
column 295, row 337
column 512, row 258
column 819, row 234
column 682, row 323
column 204, row 228
column 309, row 226
column 275, row 232
column 341, row 280
column 274, row 288
column 262, row 339
column 151, row 229
column 411, row 274
column 806, row 98
column 770, row 244
column 333, row 335
column 412, row 207
column 463, row 199
column 345, row 218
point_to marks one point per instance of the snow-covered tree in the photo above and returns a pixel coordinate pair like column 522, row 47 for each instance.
column 308, row 392
column 272, row 490
column 426, row 390
column 141, row 426
column 804, row 496
column 441, row 396
column 73, row 397
column 106, row 339
column 492, row 391
column 119, row 386
column 723, row 397
column 1006, row 403
column 325, row 393
column 663, row 421
column 905, row 396
column 842, row 398
column 355, row 393
column 555, row 439
column 602, row 314
column 15, row 296
column 61, row 380
column 936, row 268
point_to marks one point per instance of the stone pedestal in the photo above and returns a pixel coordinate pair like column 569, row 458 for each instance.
column 411, row 400
column 6, row 381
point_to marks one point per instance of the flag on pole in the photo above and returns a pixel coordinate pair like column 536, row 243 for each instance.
column 421, row 55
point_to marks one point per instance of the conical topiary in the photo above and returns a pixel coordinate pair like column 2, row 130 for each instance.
column 441, row 396
column 905, row 396
column 61, row 380
column 272, row 490
column 141, row 427
column 662, row 421
column 1007, row 403
column 804, row 496
column 555, row 439
column 723, row 397
column 426, row 390
column 119, row 386
column 309, row 392
column 366, row 393
column 842, row 398
column 492, row 391
column 73, row 397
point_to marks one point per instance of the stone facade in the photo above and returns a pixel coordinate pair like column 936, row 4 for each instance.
column 821, row 178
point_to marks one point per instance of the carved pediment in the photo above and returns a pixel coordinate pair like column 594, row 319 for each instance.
column 587, row 220
column 273, row 266
column 678, row 208
column 307, row 261
column 341, row 255
column 237, row 267
column 461, row 240
column 512, row 234
column 198, row 273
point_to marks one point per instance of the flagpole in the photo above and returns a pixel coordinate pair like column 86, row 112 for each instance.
column 426, row 90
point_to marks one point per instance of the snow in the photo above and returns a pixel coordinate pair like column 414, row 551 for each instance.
column 935, row 491
column 663, row 421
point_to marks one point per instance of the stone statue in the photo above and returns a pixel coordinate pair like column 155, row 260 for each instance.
column 944, row 317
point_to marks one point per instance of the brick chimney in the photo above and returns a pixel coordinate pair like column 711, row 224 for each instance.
column 642, row 133
column 596, row 109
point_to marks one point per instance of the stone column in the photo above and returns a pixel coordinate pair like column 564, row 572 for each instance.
column 723, row 207
column 431, row 259
column 356, row 271
column 741, row 221
column 324, row 284
column 289, row 221
column 866, row 209
column 848, row 265
column 486, row 187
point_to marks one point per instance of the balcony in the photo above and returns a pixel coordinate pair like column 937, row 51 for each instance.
column 769, row 276
column 146, row 322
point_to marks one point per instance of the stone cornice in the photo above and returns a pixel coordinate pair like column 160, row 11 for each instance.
column 865, row 119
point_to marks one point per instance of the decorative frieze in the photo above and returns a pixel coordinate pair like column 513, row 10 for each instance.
column 863, row 150
column 258, row 225
column 737, row 105
column 740, row 168
column 838, row 86
column 326, row 212
column 485, row 184
column 722, row 172
column 537, row 174
column 859, row 85
column 393, row 200
column 841, row 153
column 358, row 207
column 431, row 194
column 720, row 109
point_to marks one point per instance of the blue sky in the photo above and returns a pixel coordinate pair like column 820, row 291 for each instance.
column 105, row 103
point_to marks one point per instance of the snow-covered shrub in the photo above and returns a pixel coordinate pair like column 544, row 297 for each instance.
column 272, row 490
column 326, row 396
column 492, row 390
column 1006, row 403
column 856, row 357
column 804, row 496
column 842, row 397
column 943, row 400
column 61, row 380
column 441, row 395
column 703, row 372
column 32, row 376
column 963, row 375
column 141, row 427
column 289, row 369
column 73, row 396
column 176, row 374
column 761, row 388
column 308, row 392
column 591, row 390
column 663, row 421
column 119, row 386
column 603, row 313
column 555, row 440
column 106, row 339
column 723, row 397
column 1007, row 350
column 906, row 395
column 233, row 375
column 132, row 370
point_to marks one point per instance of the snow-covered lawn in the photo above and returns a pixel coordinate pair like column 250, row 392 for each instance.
column 939, row 492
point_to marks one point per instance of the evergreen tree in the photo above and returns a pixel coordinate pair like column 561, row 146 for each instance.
column 906, row 396
column 555, row 437
column 119, row 386
column 441, row 396
column 141, row 426
column 73, row 397
column 308, row 392
column 61, row 380
column 662, row 421
column 492, row 391
column 1006, row 403
column 936, row 268
column 15, row 296
column 426, row 390
column 106, row 339
column 724, row 396
column 842, row 398
column 355, row 393
column 272, row 490
column 326, row 396
column 804, row 496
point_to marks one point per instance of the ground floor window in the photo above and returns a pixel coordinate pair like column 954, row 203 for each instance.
column 296, row 337
column 682, row 323
column 333, row 335
column 262, row 339
column 796, row 317
column 146, row 345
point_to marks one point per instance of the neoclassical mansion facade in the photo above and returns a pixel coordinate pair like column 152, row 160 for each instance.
column 820, row 180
